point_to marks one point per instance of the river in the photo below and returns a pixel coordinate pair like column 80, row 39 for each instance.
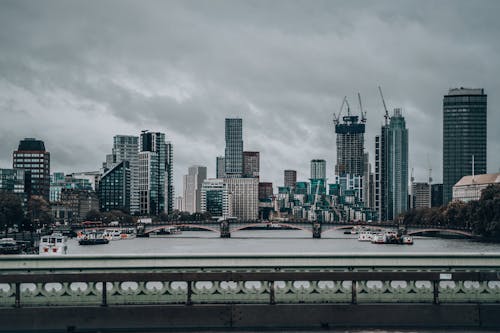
column 276, row 241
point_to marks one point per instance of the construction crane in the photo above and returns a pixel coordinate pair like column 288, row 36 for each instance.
column 363, row 113
column 386, row 116
column 336, row 118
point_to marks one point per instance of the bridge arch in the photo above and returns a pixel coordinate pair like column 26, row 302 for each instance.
column 448, row 231
column 259, row 224
column 198, row 226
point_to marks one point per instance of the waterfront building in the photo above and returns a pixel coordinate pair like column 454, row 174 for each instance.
column 155, row 165
column 234, row 148
column 169, row 177
column 192, row 188
column 216, row 199
column 421, row 195
column 245, row 197
column 464, row 136
column 88, row 177
column 220, row 167
column 57, row 183
column 75, row 204
column 265, row 190
column 302, row 188
column 350, row 146
column 126, row 148
column 391, row 168
column 351, row 184
column 318, row 169
column 32, row 157
column 436, row 195
column 13, row 181
column 251, row 164
column 368, row 183
column 469, row 188
column 114, row 188
column 290, row 178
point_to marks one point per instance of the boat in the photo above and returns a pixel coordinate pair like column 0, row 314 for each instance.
column 55, row 244
column 112, row 234
column 128, row 233
column 392, row 237
column 93, row 238
column 365, row 236
column 9, row 246
column 165, row 232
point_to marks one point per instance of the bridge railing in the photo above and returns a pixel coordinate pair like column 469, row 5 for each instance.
column 243, row 279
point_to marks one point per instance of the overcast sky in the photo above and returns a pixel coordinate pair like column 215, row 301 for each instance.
column 76, row 73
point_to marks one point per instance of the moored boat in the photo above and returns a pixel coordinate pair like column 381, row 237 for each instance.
column 55, row 244
column 165, row 232
column 9, row 246
column 93, row 238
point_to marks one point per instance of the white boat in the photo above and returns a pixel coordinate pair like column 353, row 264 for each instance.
column 408, row 240
column 378, row 238
column 128, row 233
column 55, row 244
column 365, row 236
column 112, row 234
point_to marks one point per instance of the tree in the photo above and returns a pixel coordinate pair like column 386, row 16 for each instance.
column 39, row 211
column 11, row 210
column 93, row 215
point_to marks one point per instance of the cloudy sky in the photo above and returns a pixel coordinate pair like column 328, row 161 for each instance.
column 76, row 73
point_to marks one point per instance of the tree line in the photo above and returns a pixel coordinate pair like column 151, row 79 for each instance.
column 481, row 216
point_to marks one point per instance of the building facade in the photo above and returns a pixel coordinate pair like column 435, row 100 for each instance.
column 290, row 178
column 216, row 199
column 265, row 190
column 251, row 164
column 464, row 136
column 436, row 195
column 350, row 146
column 193, row 182
column 220, row 167
column 244, row 197
column 32, row 157
column 469, row 188
column 114, row 188
column 318, row 169
column 391, row 168
column 234, row 148
column 153, row 176
column 421, row 195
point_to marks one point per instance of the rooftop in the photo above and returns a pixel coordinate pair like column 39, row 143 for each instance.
column 465, row 91
column 31, row 144
column 489, row 178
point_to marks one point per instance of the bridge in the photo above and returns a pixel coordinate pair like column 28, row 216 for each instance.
column 226, row 229
column 249, row 291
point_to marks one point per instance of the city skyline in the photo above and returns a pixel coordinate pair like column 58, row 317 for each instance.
column 285, row 81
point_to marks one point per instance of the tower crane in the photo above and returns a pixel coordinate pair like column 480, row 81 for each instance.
column 386, row 116
column 363, row 113
column 336, row 118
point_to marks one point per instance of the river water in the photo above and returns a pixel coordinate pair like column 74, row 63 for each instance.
column 276, row 241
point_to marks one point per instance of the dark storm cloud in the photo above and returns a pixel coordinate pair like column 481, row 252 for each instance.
column 75, row 73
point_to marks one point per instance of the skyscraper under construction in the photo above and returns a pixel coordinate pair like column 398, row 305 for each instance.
column 350, row 143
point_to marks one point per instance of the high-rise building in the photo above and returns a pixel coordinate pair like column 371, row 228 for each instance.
column 464, row 136
column 318, row 169
column 391, row 168
column 114, row 188
column 265, row 190
column 436, row 195
column 169, row 177
column 12, row 180
column 350, row 146
column 290, row 178
column 421, row 195
column 35, row 160
column 251, row 164
column 179, row 205
column 244, row 197
column 216, row 199
column 153, row 176
column 368, row 185
column 234, row 148
column 192, row 188
column 220, row 167
column 126, row 148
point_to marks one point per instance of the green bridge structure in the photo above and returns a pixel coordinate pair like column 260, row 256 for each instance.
column 248, row 291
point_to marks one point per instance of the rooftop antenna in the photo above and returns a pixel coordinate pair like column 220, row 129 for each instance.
column 386, row 116
column 363, row 114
